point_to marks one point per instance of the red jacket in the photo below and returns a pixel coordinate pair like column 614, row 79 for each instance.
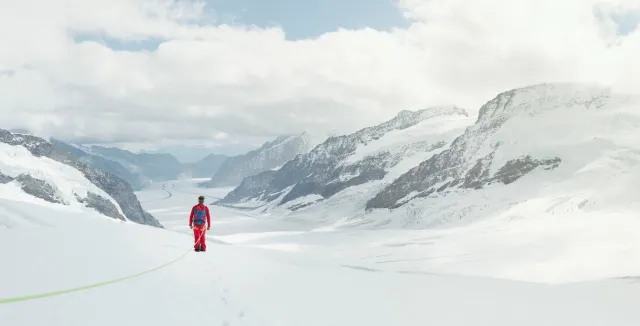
column 200, row 207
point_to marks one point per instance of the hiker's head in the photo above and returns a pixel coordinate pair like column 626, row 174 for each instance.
column 201, row 199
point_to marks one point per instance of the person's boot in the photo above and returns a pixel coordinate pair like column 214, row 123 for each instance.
column 197, row 248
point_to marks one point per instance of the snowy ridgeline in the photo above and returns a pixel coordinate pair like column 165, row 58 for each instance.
column 35, row 171
column 572, row 147
column 372, row 156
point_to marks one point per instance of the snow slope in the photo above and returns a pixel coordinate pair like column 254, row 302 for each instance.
column 246, row 285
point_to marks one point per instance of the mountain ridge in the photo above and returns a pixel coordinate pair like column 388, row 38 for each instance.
column 327, row 169
column 527, row 101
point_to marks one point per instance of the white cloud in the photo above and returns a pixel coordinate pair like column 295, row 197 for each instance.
column 225, row 83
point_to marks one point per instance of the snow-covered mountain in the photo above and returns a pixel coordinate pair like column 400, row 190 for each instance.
column 135, row 179
column 355, row 165
column 38, row 169
column 538, row 150
column 269, row 156
column 141, row 169
column 156, row 167
column 205, row 167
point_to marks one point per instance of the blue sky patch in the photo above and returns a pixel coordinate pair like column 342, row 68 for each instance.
column 120, row 45
column 300, row 19
column 627, row 22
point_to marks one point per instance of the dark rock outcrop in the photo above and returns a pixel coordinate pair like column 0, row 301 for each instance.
column 102, row 205
column 39, row 188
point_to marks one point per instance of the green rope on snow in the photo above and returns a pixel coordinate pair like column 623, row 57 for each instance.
column 86, row 287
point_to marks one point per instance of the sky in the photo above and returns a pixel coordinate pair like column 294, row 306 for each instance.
column 229, row 75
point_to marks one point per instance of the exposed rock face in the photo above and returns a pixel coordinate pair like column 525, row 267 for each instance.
column 117, row 188
column 102, row 205
column 123, row 194
column 5, row 178
column 39, row 188
column 517, row 168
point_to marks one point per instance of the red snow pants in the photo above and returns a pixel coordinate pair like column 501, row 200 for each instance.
column 199, row 236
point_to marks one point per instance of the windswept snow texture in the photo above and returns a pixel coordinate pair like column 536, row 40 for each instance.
column 570, row 147
column 348, row 170
column 268, row 157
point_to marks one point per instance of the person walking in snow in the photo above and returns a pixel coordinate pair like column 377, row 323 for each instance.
column 197, row 223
